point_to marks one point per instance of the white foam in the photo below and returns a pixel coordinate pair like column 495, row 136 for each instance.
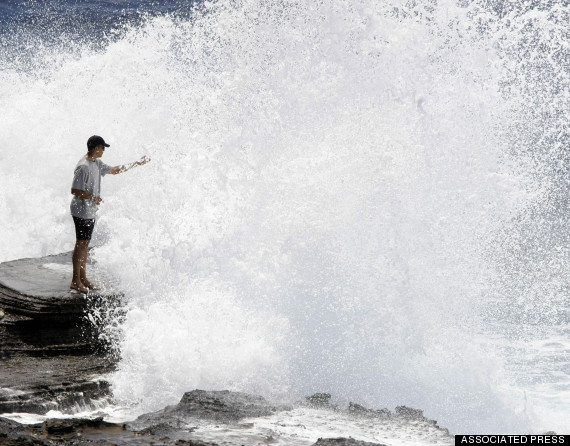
column 303, row 427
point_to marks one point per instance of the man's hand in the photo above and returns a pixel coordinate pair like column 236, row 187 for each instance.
column 120, row 169
column 87, row 196
column 144, row 159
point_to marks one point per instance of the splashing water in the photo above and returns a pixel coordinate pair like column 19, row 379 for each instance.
column 327, row 184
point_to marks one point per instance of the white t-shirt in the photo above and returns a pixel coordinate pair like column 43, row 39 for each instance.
column 87, row 177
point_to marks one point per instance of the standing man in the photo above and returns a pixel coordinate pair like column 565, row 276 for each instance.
column 86, row 190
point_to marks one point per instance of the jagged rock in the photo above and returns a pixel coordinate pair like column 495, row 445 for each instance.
column 37, row 385
column 77, row 432
column 320, row 401
column 16, row 434
column 402, row 412
column 344, row 442
column 160, row 429
column 193, row 443
column 68, row 425
column 358, row 410
column 223, row 406
column 409, row 413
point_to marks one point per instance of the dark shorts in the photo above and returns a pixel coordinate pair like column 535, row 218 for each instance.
column 83, row 228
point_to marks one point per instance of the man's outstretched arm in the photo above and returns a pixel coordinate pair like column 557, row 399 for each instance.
column 120, row 169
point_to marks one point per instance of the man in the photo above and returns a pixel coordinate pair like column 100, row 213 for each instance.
column 86, row 190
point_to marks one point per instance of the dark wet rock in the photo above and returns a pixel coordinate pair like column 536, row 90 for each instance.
column 77, row 432
column 344, row 442
column 160, row 429
column 200, row 419
column 7, row 426
column 68, row 425
column 41, row 316
column 16, row 434
column 83, row 432
column 320, row 401
column 222, row 406
column 409, row 413
column 193, row 443
column 358, row 410
column 37, row 385
column 402, row 413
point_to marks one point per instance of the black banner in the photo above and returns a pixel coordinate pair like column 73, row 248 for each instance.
column 529, row 440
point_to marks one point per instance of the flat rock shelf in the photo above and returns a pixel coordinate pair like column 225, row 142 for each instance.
column 50, row 350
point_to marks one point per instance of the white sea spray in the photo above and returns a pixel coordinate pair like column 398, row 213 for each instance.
column 327, row 180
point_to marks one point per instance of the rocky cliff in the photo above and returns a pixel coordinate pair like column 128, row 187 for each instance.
column 50, row 350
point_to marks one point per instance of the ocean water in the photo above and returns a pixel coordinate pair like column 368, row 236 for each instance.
column 361, row 197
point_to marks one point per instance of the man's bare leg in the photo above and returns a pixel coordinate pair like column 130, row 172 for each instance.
column 79, row 260
column 83, row 271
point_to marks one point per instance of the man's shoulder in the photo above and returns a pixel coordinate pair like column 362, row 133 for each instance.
column 84, row 166
column 82, row 162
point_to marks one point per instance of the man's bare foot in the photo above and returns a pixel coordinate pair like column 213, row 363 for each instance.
column 90, row 285
column 79, row 287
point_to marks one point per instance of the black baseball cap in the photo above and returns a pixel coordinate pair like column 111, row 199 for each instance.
column 95, row 141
